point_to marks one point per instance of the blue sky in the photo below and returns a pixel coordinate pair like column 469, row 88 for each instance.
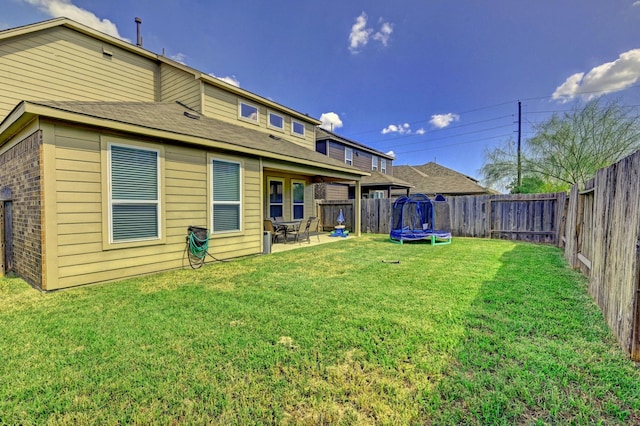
column 427, row 79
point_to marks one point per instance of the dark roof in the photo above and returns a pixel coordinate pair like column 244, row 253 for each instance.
column 179, row 120
column 381, row 179
column 322, row 134
column 432, row 178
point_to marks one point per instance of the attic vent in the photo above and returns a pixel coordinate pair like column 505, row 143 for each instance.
column 191, row 115
column 274, row 137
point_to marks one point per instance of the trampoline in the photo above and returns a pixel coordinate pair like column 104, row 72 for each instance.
column 417, row 218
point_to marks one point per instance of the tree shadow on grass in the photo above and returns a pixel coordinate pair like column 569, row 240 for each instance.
column 536, row 349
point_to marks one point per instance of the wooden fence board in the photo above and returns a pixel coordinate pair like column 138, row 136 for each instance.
column 602, row 239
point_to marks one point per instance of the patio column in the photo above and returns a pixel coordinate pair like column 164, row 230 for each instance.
column 358, row 209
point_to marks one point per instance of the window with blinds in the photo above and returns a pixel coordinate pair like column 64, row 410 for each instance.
column 134, row 193
column 226, row 204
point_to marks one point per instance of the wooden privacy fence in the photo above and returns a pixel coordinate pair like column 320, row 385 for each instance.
column 328, row 212
column 602, row 239
column 527, row 217
column 375, row 214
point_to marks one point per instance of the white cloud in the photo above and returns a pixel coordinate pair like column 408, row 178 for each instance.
column 330, row 121
column 402, row 129
column 606, row 78
column 636, row 3
column 361, row 34
column 180, row 58
column 441, row 121
column 58, row 8
column 397, row 128
column 232, row 80
column 391, row 154
column 384, row 34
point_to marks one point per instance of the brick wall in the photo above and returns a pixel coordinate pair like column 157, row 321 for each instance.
column 20, row 172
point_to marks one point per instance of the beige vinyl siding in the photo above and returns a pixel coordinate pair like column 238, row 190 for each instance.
column 224, row 106
column 61, row 64
column 79, row 215
column 178, row 85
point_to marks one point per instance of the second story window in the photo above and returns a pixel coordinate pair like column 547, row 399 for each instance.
column 248, row 112
column 297, row 128
column 383, row 166
column 374, row 163
column 276, row 121
column 348, row 156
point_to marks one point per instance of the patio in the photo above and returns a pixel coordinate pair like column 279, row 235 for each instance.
column 314, row 240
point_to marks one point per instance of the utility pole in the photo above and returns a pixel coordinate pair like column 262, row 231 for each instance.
column 519, row 144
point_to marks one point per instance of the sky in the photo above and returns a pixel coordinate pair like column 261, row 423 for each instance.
column 424, row 80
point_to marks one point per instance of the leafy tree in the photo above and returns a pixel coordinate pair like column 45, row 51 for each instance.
column 567, row 149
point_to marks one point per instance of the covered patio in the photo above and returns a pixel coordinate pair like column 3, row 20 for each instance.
column 314, row 240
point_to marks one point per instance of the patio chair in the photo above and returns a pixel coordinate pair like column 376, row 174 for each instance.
column 302, row 234
column 314, row 227
column 275, row 231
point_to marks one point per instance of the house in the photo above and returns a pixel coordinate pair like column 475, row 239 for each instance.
column 109, row 152
column 379, row 184
column 432, row 178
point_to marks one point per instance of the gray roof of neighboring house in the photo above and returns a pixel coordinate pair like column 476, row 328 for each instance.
column 432, row 178
column 175, row 118
column 322, row 134
column 381, row 179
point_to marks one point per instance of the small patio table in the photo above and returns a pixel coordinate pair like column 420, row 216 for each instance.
column 288, row 225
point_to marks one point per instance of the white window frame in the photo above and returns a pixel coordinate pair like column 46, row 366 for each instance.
column 213, row 202
column 112, row 202
column 348, row 156
column 374, row 163
column 293, row 127
column 271, row 126
column 293, row 201
column 255, row 120
column 383, row 165
column 376, row 194
column 281, row 181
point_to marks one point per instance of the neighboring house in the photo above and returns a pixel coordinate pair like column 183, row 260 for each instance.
column 432, row 179
column 379, row 184
column 109, row 152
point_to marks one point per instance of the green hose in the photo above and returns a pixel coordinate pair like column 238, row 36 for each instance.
column 198, row 247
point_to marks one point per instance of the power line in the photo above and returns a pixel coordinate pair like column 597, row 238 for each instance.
column 428, row 120
column 535, row 98
column 454, row 136
column 430, row 148
column 449, row 128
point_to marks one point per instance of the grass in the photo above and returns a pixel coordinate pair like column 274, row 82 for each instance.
column 476, row 332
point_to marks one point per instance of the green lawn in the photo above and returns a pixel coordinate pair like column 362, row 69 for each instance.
column 476, row 332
